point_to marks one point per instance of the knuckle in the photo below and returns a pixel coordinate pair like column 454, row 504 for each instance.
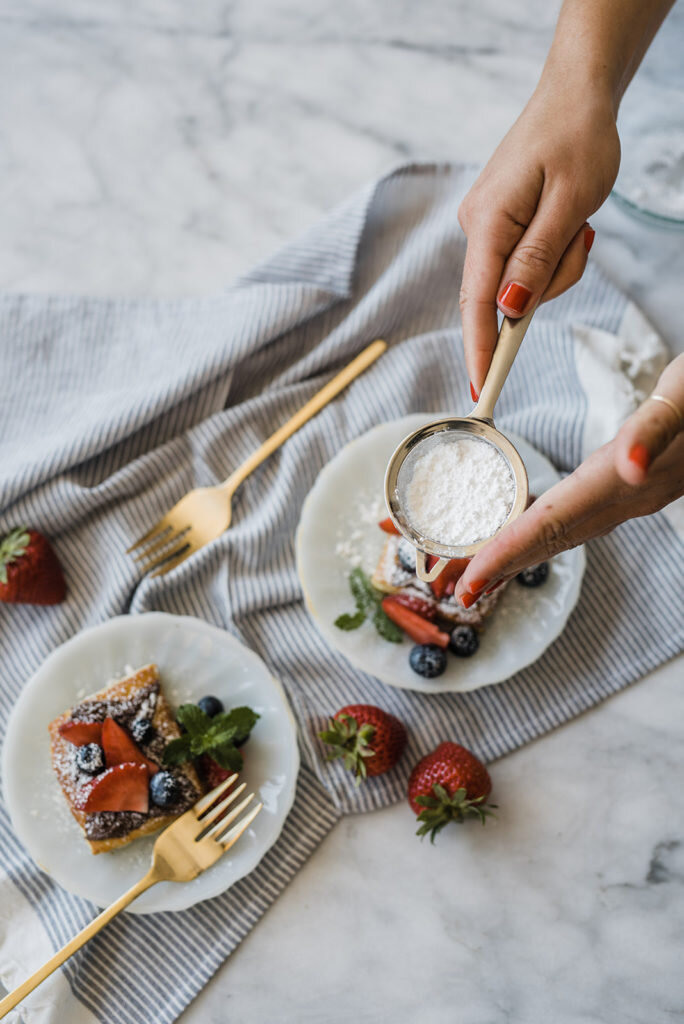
column 553, row 536
column 538, row 256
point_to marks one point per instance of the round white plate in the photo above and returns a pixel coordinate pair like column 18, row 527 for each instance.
column 338, row 529
column 194, row 659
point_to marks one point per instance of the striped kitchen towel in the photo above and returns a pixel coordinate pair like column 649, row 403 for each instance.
column 110, row 410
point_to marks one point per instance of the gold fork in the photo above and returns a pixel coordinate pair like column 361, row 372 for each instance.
column 187, row 847
column 204, row 513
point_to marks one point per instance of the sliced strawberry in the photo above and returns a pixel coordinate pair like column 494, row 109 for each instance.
column 80, row 733
column 119, row 748
column 418, row 605
column 418, row 628
column 388, row 526
column 212, row 771
column 448, row 577
column 125, row 787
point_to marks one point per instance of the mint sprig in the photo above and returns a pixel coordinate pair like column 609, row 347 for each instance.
column 215, row 736
column 368, row 604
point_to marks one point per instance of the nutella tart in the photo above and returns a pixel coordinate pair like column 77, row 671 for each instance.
column 395, row 574
column 108, row 752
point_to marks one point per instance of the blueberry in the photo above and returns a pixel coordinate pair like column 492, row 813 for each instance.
column 90, row 758
column 428, row 660
column 210, row 706
column 535, row 576
column 464, row 641
column 142, row 730
column 407, row 556
column 165, row 789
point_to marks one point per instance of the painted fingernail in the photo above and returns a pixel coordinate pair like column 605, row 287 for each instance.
column 473, row 394
column 589, row 235
column 638, row 454
column 492, row 589
column 467, row 599
column 475, row 586
column 515, row 297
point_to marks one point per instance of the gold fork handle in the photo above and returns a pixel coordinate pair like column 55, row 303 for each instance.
column 15, row 997
column 314, row 405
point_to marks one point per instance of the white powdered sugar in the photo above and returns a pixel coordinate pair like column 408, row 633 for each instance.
column 460, row 491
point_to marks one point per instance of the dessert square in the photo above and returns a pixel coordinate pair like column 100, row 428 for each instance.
column 105, row 752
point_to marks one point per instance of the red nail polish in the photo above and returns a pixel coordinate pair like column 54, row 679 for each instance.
column 638, row 453
column 589, row 235
column 515, row 297
column 492, row 589
column 466, row 599
column 475, row 586
column 473, row 394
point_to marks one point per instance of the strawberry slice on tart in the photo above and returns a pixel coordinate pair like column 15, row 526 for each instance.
column 124, row 787
column 119, row 748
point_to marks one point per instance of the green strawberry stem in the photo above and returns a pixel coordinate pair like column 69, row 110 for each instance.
column 12, row 547
column 441, row 808
column 351, row 743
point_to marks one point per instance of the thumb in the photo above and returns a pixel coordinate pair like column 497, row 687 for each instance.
column 653, row 427
column 530, row 267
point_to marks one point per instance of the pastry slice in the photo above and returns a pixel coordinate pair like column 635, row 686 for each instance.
column 394, row 574
column 107, row 754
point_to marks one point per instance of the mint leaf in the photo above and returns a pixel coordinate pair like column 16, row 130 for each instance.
column 237, row 723
column 348, row 622
column 228, row 757
column 368, row 602
column 193, row 719
column 177, row 751
column 362, row 590
column 386, row 628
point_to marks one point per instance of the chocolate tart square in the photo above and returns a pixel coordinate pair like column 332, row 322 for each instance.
column 137, row 696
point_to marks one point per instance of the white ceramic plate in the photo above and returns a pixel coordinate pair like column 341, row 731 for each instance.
column 338, row 528
column 194, row 659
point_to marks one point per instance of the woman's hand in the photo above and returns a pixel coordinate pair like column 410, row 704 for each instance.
column 638, row 473
column 526, row 215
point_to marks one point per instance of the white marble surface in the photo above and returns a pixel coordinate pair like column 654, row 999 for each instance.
column 161, row 148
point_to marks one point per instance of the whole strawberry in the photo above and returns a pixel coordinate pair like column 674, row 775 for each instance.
column 370, row 741
column 29, row 570
column 449, row 784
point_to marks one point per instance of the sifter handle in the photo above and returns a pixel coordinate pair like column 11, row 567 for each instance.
column 507, row 344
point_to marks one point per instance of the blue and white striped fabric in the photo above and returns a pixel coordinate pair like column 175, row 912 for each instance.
column 110, row 410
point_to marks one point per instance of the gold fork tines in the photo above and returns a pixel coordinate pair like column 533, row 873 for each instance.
column 202, row 515
column 190, row 844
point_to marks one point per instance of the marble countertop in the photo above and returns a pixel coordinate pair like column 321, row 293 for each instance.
column 161, row 149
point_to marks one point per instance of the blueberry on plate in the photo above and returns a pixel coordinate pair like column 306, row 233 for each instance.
column 428, row 660
column 210, row 706
column 165, row 790
column 464, row 641
column 142, row 730
column 535, row 576
column 90, row 758
column 406, row 554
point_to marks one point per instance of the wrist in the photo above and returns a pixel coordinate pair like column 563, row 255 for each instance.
column 585, row 82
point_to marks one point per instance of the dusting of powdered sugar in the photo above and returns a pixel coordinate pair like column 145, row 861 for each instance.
column 460, row 491
column 352, row 540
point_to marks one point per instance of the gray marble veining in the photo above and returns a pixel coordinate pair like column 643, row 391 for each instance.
column 162, row 149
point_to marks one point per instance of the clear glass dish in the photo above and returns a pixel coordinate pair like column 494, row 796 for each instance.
column 650, row 185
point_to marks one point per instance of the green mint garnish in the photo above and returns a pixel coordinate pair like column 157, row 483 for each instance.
column 215, row 736
column 368, row 603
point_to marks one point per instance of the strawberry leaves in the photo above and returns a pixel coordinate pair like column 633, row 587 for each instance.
column 368, row 605
column 351, row 742
column 12, row 547
column 441, row 808
column 217, row 736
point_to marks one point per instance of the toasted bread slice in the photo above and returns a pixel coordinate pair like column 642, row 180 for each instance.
column 137, row 696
